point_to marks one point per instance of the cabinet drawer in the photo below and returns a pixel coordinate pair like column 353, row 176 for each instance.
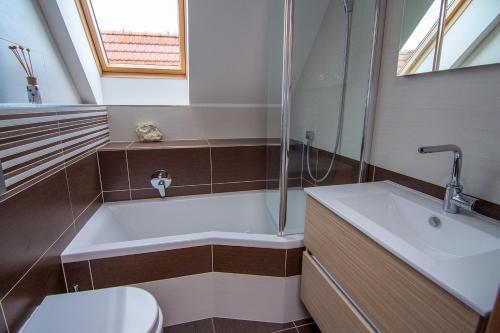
column 329, row 307
column 395, row 297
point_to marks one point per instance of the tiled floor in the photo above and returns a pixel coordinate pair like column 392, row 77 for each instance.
column 222, row 325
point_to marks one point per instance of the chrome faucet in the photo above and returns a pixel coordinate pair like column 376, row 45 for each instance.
column 161, row 180
column 454, row 197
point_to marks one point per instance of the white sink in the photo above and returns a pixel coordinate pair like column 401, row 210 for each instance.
column 412, row 223
column 459, row 252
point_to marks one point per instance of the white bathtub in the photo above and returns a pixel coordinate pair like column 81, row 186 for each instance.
column 238, row 219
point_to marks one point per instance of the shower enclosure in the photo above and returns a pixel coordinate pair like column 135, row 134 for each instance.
column 323, row 58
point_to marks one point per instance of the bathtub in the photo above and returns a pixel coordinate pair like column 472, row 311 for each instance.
column 142, row 226
column 204, row 256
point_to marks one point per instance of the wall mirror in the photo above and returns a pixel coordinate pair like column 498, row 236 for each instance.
column 439, row 35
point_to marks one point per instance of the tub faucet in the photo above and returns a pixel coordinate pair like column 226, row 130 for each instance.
column 454, row 198
column 161, row 180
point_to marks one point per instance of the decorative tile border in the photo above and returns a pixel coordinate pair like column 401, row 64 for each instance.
column 34, row 142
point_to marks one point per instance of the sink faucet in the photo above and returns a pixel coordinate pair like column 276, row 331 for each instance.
column 161, row 180
column 454, row 197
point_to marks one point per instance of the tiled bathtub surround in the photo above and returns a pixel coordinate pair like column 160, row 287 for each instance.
column 196, row 167
column 37, row 224
column 145, row 267
column 344, row 171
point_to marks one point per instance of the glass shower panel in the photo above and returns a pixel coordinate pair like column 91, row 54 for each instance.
column 319, row 92
column 274, row 62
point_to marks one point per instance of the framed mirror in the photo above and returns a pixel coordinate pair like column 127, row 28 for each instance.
column 439, row 35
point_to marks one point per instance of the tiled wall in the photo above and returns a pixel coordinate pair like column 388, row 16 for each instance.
column 49, row 159
column 37, row 224
column 196, row 167
column 39, row 219
column 212, row 166
column 145, row 267
column 459, row 106
column 344, row 171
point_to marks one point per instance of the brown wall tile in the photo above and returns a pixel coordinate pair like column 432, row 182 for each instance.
column 177, row 191
column 171, row 191
column 428, row 188
column 243, row 186
column 294, row 164
column 187, row 166
column 294, row 261
column 122, row 145
column 84, row 183
column 344, row 171
column 116, row 196
column 236, row 164
column 248, row 260
column 78, row 273
column 294, row 182
column 149, row 193
column 45, row 278
column 30, row 222
column 313, row 164
column 489, row 209
column 273, row 162
column 307, row 183
column 370, row 174
column 87, row 213
column 3, row 327
column 272, row 184
column 224, row 325
column 113, row 167
column 296, row 156
column 240, row 142
column 124, row 270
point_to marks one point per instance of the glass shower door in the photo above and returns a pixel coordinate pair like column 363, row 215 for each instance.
column 327, row 111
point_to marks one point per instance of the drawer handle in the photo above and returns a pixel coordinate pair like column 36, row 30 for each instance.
column 344, row 292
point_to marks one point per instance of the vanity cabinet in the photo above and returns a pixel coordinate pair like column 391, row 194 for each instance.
column 352, row 284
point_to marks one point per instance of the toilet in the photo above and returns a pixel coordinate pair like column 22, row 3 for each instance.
column 111, row 310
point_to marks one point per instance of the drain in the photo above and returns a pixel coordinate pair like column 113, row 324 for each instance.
column 434, row 221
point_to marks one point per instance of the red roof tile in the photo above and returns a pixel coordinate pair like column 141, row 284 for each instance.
column 123, row 47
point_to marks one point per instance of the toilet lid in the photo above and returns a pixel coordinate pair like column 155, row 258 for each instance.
column 112, row 310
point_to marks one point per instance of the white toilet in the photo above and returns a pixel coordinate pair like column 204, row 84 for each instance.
column 112, row 310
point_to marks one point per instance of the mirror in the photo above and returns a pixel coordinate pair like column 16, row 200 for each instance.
column 465, row 33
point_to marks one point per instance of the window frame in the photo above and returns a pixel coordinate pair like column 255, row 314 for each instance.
column 123, row 70
column 428, row 43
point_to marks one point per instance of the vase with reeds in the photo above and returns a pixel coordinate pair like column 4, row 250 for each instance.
column 32, row 87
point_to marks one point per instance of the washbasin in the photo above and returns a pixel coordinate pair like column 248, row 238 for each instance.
column 459, row 252
column 439, row 235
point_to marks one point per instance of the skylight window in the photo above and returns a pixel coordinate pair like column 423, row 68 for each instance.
column 421, row 42
column 132, row 37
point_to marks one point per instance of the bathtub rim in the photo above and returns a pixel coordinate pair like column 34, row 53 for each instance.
column 148, row 245
column 81, row 252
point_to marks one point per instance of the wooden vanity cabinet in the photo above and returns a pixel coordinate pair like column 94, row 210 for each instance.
column 389, row 294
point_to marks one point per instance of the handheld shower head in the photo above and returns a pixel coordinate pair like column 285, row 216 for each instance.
column 348, row 5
